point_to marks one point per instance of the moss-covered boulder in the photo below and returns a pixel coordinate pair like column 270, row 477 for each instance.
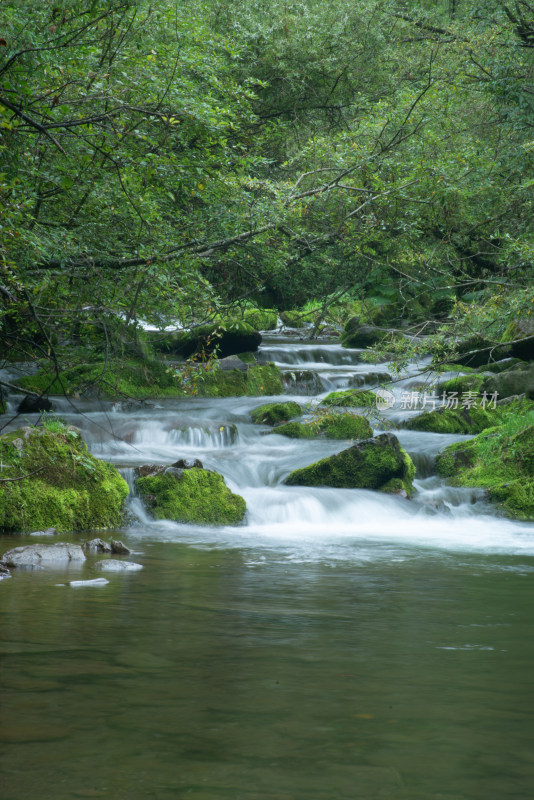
column 361, row 336
column 521, row 333
column 516, row 381
column 61, row 484
column 151, row 379
column 331, row 426
column 271, row 413
column 222, row 338
column 350, row 398
column 477, row 351
column 379, row 463
column 500, row 460
column 461, row 384
column 466, row 420
column 193, row 495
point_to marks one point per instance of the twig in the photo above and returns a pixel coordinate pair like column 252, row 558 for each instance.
column 21, row 477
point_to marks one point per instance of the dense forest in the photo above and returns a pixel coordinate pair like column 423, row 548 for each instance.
column 190, row 161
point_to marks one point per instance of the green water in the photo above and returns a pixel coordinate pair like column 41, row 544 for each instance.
column 226, row 673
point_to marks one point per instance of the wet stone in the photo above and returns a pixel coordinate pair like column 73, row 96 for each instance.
column 149, row 469
column 117, row 566
column 43, row 555
column 188, row 463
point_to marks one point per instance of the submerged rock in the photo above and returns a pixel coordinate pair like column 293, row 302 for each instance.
column 113, row 565
column 379, row 463
column 56, row 483
column 91, row 582
column 194, row 496
column 43, row 555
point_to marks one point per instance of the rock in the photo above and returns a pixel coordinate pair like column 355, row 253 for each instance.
column 4, row 571
column 362, row 336
column 196, row 496
column 521, row 329
column 355, row 398
column 61, row 484
column 378, row 463
column 174, row 471
column 332, row 426
column 466, row 420
column 302, row 382
column 188, row 463
column 224, row 339
column 48, row 532
column 149, row 469
column 271, row 413
column 262, row 319
column 43, row 555
column 519, row 380
column 100, row 546
column 113, row 565
column 34, row 405
column 476, row 351
column 92, row 582
column 498, row 460
column 233, row 362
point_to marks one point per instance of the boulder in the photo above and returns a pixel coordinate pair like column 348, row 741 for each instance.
column 378, row 463
column 361, row 336
column 100, row 546
column 271, row 413
column 34, row 405
column 500, row 460
column 195, row 496
column 519, row 380
column 521, row 330
column 355, row 398
column 463, row 420
column 476, row 351
column 188, row 463
column 331, row 426
column 54, row 482
column 43, row 555
column 224, row 339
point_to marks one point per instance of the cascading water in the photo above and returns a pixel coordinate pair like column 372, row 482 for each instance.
column 339, row 645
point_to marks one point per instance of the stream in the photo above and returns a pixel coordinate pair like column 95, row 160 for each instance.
column 339, row 645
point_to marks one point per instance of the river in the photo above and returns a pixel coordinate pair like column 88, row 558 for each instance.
column 340, row 645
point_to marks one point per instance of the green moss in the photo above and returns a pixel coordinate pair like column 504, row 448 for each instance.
column 271, row 413
column 331, row 426
column 265, row 319
column 462, row 420
column 260, row 380
column 296, row 430
column 198, row 496
column 500, row 460
column 455, row 368
column 371, row 464
column 69, row 490
column 151, row 379
column 463, row 383
column 350, row 398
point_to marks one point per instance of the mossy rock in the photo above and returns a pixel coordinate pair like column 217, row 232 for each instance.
column 463, row 383
column 379, row 463
column 271, row 413
column 67, row 488
column 522, row 330
column 333, row 426
column 505, row 364
column 264, row 379
column 350, row 398
column 476, row 351
column 464, row 420
column 262, row 319
column 362, row 336
column 196, row 496
column 498, row 460
column 152, row 379
column 223, row 338
column 513, row 382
